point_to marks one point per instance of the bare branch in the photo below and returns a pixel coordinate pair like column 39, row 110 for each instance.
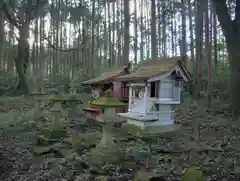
column 28, row 11
column 38, row 6
column 9, row 16
column 47, row 39
column 14, row 11
column 61, row 49
column 32, row 9
column 57, row 48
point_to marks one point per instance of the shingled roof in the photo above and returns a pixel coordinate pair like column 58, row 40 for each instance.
column 152, row 68
column 109, row 75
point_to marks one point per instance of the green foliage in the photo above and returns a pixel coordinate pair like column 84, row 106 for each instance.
column 193, row 174
column 83, row 75
column 85, row 141
column 7, row 82
column 220, row 80
column 58, row 83
column 137, row 151
column 104, row 156
column 220, row 74
column 143, row 175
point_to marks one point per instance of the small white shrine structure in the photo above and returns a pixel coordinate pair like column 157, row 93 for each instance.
column 154, row 88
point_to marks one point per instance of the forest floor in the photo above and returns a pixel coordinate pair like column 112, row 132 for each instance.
column 208, row 139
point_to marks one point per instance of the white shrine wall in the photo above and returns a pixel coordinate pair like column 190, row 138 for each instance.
column 168, row 91
column 137, row 102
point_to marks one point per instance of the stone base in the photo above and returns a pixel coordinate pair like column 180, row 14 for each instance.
column 144, row 120
column 150, row 131
column 145, row 124
column 102, row 155
column 106, row 151
column 138, row 116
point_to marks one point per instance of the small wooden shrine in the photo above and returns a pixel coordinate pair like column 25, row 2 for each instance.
column 106, row 80
column 153, row 90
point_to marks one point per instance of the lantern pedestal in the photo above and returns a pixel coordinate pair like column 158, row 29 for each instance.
column 57, row 129
column 107, row 150
column 37, row 97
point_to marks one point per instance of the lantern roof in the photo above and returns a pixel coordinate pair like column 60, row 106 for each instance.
column 107, row 100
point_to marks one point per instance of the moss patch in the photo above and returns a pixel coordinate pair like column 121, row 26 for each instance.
column 38, row 93
column 63, row 98
column 107, row 102
column 193, row 174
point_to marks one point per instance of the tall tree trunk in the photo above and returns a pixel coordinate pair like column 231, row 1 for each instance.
column 2, row 35
column 191, row 33
column 232, row 34
column 141, row 32
column 126, row 32
column 199, row 46
column 10, row 62
column 105, row 37
column 234, row 78
column 208, row 51
column 118, row 27
column 164, row 29
column 153, row 28
column 22, row 59
column 135, row 33
column 92, row 59
column 183, row 43
column 113, row 56
column 214, row 22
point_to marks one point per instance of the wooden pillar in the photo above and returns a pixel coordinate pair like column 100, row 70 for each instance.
column 130, row 98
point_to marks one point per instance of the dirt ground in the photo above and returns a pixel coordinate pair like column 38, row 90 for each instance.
column 208, row 139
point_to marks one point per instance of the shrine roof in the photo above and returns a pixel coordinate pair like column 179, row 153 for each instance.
column 108, row 75
column 153, row 68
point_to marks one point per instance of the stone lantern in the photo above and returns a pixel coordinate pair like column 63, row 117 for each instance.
column 107, row 151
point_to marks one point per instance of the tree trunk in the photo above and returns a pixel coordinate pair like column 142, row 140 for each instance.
column 215, row 52
column 23, row 58
column 2, row 35
column 191, row 33
column 232, row 34
column 199, row 47
column 136, row 33
column 126, row 32
column 234, row 77
column 153, row 30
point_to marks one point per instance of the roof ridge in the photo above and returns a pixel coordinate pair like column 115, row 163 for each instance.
column 153, row 68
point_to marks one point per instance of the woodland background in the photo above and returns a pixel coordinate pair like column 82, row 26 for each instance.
column 73, row 39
